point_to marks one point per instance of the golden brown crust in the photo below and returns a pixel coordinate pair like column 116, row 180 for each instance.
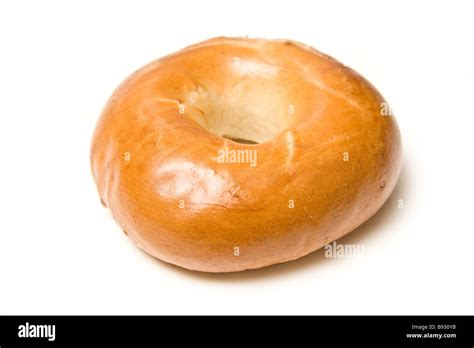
column 326, row 163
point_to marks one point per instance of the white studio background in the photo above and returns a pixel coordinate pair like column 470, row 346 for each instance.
column 60, row 250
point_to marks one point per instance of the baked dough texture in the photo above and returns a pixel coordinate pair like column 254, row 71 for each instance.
column 239, row 153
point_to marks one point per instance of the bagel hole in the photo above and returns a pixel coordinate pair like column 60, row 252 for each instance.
column 248, row 109
column 241, row 118
column 240, row 141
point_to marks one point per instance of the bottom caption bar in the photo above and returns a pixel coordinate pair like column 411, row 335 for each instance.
column 16, row 331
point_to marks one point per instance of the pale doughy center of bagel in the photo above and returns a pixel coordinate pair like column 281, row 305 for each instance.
column 249, row 107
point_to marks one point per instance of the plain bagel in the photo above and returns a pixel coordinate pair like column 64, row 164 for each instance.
column 239, row 153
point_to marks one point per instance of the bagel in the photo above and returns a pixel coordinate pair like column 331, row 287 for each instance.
column 239, row 153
